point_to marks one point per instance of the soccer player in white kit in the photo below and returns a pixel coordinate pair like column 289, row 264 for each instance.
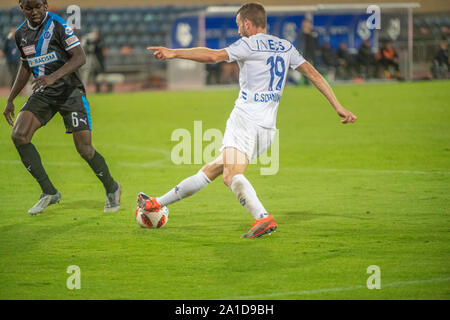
column 263, row 62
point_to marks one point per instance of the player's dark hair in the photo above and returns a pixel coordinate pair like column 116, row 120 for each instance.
column 23, row 1
column 254, row 12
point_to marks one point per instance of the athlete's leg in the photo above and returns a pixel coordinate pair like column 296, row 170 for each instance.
column 235, row 164
column 192, row 184
column 214, row 169
column 83, row 143
column 24, row 128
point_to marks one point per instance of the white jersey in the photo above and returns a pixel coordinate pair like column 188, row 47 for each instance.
column 263, row 62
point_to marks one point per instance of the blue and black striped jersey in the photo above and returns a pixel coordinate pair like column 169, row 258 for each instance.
column 45, row 49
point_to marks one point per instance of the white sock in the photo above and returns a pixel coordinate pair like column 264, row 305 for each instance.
column 185, row 188
column 246, row 195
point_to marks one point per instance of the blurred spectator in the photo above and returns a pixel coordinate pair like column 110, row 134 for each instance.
column 308, row 43
column 229, row 73
column 329, row 60
column 366, row 60
column 387, row 59
column 440, row 65
column 345, row 62
column 126, row 50
column 213, row 71
column 445, row 31
column 222, row 73
column 12, row 55
column 95, row 58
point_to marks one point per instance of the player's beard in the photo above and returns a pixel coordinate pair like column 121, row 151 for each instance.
column 244, row 33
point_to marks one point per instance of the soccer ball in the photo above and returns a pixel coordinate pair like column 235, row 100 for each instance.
column 153, row 219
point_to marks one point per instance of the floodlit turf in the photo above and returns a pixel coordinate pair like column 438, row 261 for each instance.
column 345, row 198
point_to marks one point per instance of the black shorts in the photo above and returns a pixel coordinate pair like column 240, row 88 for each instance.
column 74, row 110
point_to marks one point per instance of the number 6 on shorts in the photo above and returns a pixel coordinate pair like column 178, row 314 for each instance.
column 75, row 122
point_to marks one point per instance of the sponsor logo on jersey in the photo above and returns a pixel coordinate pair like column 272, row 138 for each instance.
column 41, row 60
column 47, row 35
column 71, row 40
column 68, row 31
column 29, row 50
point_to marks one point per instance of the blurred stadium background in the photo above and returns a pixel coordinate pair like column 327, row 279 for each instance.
column 346, row 197
column 115, row 35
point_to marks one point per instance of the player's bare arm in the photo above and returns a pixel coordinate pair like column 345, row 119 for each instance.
column 22, row 78
column 199, row 54
column 77, row 59
column 322, row 85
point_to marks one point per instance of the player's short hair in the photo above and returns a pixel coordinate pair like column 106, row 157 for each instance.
column 254, row 12
column 24, row 1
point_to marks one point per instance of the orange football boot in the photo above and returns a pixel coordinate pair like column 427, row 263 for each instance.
column 261, row 227
column 147, row 203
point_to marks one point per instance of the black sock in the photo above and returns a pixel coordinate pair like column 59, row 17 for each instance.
column 98, row 165
column 32, row 161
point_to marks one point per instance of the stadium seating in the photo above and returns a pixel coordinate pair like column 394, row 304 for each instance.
column 135, row 27
column 138, row 27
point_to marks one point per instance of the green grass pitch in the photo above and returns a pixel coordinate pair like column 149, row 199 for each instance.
column 345, row 197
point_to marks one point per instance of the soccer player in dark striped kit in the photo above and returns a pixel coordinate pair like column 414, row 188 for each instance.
column 52, row 53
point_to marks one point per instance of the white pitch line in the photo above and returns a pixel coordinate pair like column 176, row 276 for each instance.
column 375, row 171
column 49, row 163
column 326, row 290
column 106, row 145
column 166, row 162
column 162, row 163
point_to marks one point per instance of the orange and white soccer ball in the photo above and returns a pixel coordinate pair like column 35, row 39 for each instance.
column 153, row 219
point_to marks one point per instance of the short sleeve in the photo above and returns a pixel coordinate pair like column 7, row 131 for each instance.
column 66, row 36
column 238, row 50
column 17, row 39
column 296, row 59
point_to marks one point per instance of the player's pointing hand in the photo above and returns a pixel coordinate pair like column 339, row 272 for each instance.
column 162, row 53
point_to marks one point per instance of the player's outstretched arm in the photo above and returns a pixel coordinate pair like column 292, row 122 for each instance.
column 199, row 54
column 77, row 59
column 322, row 85
column 22, row 77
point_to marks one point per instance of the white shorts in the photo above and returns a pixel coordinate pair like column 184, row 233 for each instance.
column 247, row 137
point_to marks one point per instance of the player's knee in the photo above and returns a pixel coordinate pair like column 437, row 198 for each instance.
column 19, row 137
column 212, row 170
column 86, row 151
column 227, row 177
